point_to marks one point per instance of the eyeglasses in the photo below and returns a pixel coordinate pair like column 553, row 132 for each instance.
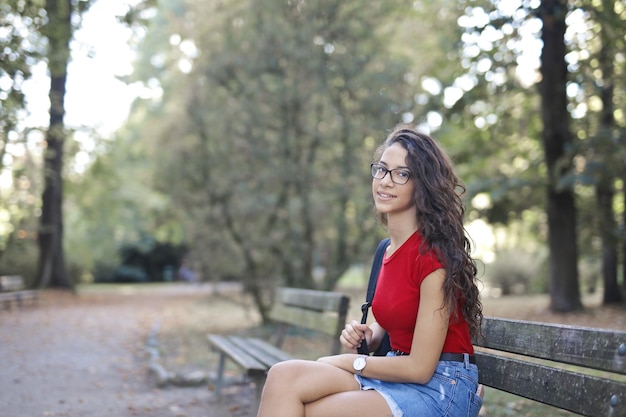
column 398, row 176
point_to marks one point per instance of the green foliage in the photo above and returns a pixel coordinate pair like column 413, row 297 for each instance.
column 274, row 130
column 146, row 260
column 254, row 140
column 113, row 205
column 21, row 47
column 494, row 128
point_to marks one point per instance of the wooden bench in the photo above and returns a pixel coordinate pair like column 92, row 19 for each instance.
column 585, row 374
column 13, row 289
column 322, row 311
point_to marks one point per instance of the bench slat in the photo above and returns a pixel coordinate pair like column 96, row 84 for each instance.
column 327, row 324
column 572, row 391
column 312, row 299
column 240, row 356
column 11, row 283
column 587, row 347
column 12, row 289
column 261, row 350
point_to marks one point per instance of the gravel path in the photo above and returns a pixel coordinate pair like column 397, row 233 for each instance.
column 85, row 356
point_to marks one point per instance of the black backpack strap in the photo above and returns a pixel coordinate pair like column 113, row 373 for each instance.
column 371, row 286
column 376, row 264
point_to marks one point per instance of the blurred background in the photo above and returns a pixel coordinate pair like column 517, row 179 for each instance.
column 210, row 141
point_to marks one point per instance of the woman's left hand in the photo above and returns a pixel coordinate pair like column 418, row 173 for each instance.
column 353, row 334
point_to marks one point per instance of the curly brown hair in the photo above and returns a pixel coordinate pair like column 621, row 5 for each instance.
column 440, row 210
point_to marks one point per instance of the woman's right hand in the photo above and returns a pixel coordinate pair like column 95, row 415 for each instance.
column 353, row 334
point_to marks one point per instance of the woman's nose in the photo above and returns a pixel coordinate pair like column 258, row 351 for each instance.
column 386, row 180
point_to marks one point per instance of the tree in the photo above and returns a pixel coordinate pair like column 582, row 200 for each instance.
column 596, row 46
column 609, row 147
column 58, row 30
column 273, row 127
column 565, row 90
column 556, row 138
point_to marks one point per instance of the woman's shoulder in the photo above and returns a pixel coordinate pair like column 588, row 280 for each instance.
column 426, row 254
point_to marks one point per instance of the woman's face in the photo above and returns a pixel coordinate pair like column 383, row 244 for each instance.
column 390, row 197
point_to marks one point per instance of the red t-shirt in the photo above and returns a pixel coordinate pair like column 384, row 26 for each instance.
column 397, row 298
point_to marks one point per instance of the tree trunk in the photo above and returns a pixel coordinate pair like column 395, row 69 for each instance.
column 604, row 189
column 561, row 210
column 604, row 198
column 52, row 271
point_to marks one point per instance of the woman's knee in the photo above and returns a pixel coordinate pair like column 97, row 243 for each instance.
column 285, row 371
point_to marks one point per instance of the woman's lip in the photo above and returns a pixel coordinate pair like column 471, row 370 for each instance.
column 384, row 196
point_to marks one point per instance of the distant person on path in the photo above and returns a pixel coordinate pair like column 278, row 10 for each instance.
column 426, row 299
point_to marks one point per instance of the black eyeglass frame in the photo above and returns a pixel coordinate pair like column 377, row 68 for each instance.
column 376, row 168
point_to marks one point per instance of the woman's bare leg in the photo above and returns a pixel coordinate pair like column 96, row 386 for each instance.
column 350, row 404
column 291, row 385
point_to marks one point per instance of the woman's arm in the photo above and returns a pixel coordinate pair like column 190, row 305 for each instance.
column 429, row 335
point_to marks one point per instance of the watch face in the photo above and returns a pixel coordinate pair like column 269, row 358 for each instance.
column 359, row 363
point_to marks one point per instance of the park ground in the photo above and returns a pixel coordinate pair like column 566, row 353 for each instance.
column 85, row 354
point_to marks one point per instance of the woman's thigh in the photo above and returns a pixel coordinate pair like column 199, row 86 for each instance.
column 325, row 390
column 309, row 380
column 349, row 404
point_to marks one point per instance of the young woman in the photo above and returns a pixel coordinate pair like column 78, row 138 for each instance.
column 426, row 299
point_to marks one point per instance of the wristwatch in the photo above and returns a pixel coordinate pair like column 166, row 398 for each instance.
column 359, row 364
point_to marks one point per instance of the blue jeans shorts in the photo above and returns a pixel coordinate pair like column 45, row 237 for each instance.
column 451, row 392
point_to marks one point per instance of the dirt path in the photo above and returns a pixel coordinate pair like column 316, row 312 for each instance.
column 85, row 356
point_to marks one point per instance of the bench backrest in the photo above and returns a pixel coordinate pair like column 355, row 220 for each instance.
column 11, row 283
column 568, row 381
column 322, row 311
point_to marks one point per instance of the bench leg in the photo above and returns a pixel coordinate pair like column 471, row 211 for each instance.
column 219, row 382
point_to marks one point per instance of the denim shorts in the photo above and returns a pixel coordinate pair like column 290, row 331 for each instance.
column 451, row 392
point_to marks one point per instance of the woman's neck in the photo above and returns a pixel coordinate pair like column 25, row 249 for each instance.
column 400, row 230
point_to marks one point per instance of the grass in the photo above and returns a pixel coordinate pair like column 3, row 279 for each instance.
column 355, row 277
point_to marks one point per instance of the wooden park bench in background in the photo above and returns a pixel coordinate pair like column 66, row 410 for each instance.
column 585, row 374
column 13, row 290
column 322, row 311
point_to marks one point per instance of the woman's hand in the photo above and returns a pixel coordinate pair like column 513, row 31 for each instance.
column 353, row 334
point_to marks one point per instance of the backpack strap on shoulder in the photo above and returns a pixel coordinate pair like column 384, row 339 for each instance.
column 371, row 286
